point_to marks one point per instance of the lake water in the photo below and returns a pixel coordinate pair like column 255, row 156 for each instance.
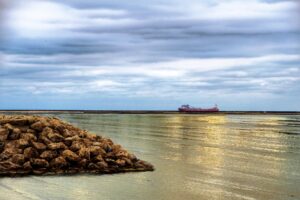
column 195, row 156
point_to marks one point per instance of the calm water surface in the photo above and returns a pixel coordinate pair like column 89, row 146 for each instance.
column 195, row 156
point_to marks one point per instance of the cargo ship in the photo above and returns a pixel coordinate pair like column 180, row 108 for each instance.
column 188, row 108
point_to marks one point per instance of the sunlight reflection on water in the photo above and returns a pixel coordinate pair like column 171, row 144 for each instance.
column 196, row 157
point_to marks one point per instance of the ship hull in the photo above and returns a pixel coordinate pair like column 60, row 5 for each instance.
column 192, row 110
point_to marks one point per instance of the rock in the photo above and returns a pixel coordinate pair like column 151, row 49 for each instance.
column 70, row 155
column 143, row 164
column 69, row 140
column 121, row 163
column 55, row 146
column 98, row 158
column 97, row 144
column 46, row 131
column 2, row 144
column 27, row 165
column 8, row 127
column 54, row 137
column 22, row 143
column 28, row 137
column 45, row 145
column 48, row 155
column 31, row 131
column 76, row 145
column 108, row 141
column 107, row 147
column 95, row 150
column 93, row 166
column 110, row 161
column 38, row 126
column 23, row 128
column 39, row 163
column 121, row 154
column 18, row 159
column 82, row 134
column 3, row 134
column 18, row 122
column 87, row 142
column 30, row 152
column 116, row 148
column 128, row 161
column 132, row 157
column 73, row 138
column 91, row 137
column 58, row 162
column 84, row 153
column 66, row 133
column 9, row 165
column 39, row 171
column 102, row 165
column 45, row 140
column 39, row 145
column 83, row 162
column 15, row 134
column 7, row 153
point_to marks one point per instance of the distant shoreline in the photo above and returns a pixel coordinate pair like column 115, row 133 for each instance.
column 144, row 112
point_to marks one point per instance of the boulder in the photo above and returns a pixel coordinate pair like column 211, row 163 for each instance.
column 70, row 155
column 96, row 150
column 46, row 145
column 39, row 163
column 84, row 153
column 121, row 162
column 27, row 165
column 15, row 134
column 22, row 143
column 58, row 162
column 38, row 126
column 2, row 144
column 102, row 165
column 8, row 165
column 3, row 134
column 76, row 145
column 18, row 159
column 30, row 152
column 56, row 146
column 48, row 155
column 55, row 137
column 8, row 127
column 39, row 145
column 28, row 136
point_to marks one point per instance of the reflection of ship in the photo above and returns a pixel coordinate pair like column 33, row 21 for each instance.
column 187, row 108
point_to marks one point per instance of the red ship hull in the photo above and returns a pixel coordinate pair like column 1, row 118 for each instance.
column 189, row 109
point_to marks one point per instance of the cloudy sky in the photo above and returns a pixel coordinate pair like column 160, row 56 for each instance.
column 159, row 54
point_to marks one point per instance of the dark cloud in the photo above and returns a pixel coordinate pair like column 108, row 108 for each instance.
column 138, row 49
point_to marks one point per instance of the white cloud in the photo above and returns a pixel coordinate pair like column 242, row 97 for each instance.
column 178, row 50
column 46, row 19
column 234, row 9
column 33, row 19
column 181, row 67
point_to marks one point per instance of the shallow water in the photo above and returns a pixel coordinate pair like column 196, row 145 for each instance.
column 195, row 156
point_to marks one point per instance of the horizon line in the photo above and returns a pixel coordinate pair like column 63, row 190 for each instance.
column 145, row 111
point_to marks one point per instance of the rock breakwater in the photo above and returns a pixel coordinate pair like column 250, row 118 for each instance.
column 46, row 145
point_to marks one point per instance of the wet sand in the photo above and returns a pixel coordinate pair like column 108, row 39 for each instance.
column 196, row 157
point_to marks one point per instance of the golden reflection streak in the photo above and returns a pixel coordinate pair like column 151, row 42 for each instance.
column 207, row 154
column 213, row 153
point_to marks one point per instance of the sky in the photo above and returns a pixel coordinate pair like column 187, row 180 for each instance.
column 150, row 55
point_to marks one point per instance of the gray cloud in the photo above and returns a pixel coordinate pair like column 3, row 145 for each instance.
column 139, row 50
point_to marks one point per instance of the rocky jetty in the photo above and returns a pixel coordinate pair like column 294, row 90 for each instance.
column 46, row 145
